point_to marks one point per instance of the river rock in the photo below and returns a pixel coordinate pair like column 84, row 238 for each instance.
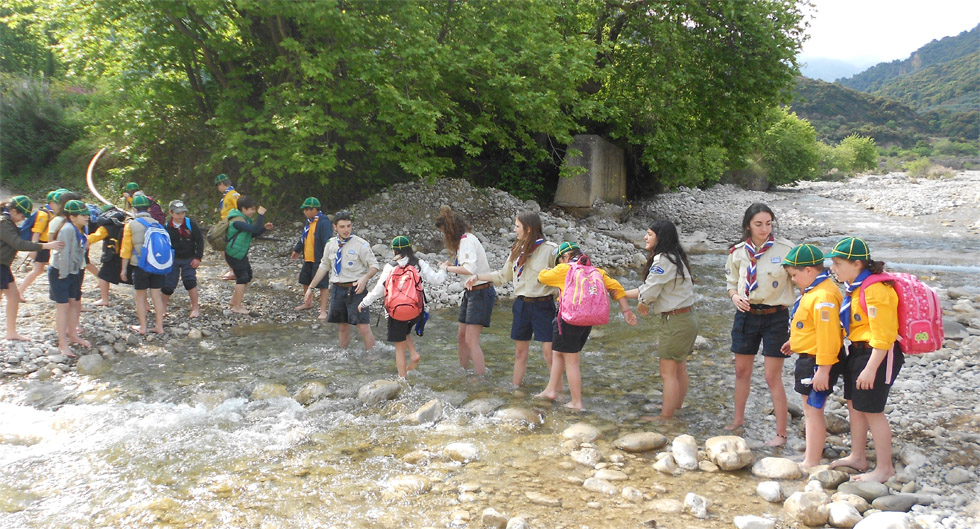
column 836, row 424
column 869, row 490
column 491, row 519
column 600, row 485
column 429, row 412
column 853, row 500
column 405, row 486
column 842, row 514
column 93, row 365
column 886, row 520
column 776, row 468
column 589, row 457
column 610, row 474
column 519, row 415
column 666, row 465
column 754, row 522
column 195, row 334
column 378, row 391
column 809, row 508
column 518, row 523
column 958, row 476
column 482, row 406
column 684, row 448
column 830, row 479
column 582, row 432
column 707, row 466
column 729, row 452
column 119, row 347
column 954, row 330
column 463, row 452
column 696, row 505
column 310, row 392
column 770, row 491
column 269, row 391
column 895, row 502
column 543, row 499
column 667, row 506
column 640, row 442
column 632, row 494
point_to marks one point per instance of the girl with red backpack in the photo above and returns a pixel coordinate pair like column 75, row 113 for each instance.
column 401, row 285
column 583, row 290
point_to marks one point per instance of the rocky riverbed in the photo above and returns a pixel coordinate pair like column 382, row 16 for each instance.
column 934, row 409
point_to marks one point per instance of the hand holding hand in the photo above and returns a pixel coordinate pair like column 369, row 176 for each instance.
column 643, row 309
column 470, row 281
column 631, row 318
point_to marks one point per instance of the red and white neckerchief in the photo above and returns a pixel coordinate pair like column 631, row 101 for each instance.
column 520, row 269
column 751, row 279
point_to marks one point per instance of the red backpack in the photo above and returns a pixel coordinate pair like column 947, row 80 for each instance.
column 404, row 299
column 920, row 317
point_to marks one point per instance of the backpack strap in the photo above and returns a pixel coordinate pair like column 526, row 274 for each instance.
column 868, row 281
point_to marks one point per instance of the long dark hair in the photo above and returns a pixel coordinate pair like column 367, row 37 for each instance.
column 409, row 252
column 63, row 199
column 668, row 244
column 453, row 226
column 522, row 247
column 875, row 267
column 752, row 211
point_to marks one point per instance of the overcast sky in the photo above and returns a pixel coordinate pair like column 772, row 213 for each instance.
column 872, row 31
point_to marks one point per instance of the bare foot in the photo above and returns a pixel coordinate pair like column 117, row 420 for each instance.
column 734, row 426
column 80, row 341
column 322, row 316
column 859, row 464
column 240, row 310
column 101, row 303
column 79, row 330
column 137, row 329
column 575, row 406
column 303, row 306
column 67, row 352
column 805, row 465
column 654, row 418
column 196, row 313
column 157, row 330
column 779, row 440
column 414, row 362
column 17, row 337
column 229, row 276
column 546, row 395
column 878, row 475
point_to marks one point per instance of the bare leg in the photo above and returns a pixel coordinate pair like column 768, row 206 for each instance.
column 166, row 302
column 140, row 296
column 61, row 319
column 13, row 305
column 672, row 399
column 521, row 349
column 343, row 334
column 461, row 348
column 400, row 359
column 816, row 434
column 195, row 306
column 546, row 351
column 415, row 356
column 324, row 298
column 554, row 387
column 473, row 345
column 682, row 381
column 103, row 294
column 743, row 381
column 238, row 300
column 774, row 379
column 159, row 309
column 304, row 305
column 74, row 317
column 367, row 335
column 858, row 458
column 574, row 374
column 881, row 435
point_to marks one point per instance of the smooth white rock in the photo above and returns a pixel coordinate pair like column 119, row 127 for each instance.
column 684, row 448
column 886, row 520
column 842, row 514
column 754, row 522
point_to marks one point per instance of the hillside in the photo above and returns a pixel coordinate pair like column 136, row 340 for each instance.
column 953, row 85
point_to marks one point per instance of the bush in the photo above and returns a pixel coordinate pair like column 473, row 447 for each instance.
column 36, row 129
column 917, row 168
column 789, row 149
column 955, row 148
column 858, row 153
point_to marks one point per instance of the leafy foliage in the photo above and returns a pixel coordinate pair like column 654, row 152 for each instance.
column 857, row 153
column 789, row 148
column 36, row 128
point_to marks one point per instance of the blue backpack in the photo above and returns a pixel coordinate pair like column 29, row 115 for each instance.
column 157, row 253
column 27, row 228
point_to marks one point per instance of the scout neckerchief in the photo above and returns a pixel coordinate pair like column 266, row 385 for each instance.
column 184, row 229
column 82, row 239
column 221, row 204
column 751, row 280
column 845, row 306
column 520, row 269
column 306, row 229
column 340, row 252
column 816, row 281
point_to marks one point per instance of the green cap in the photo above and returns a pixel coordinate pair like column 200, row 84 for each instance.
column 52, row 196
column 310, row 202
column 221, row 178
column 565, row 248
column 852, row 249
column 400, row 242
column 22, row 204
column 141, row 201
column 76, row 207
column 132, row 186
column 804, row 255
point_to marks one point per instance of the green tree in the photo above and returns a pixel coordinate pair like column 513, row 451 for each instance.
column 858, row 153
column 789, row 148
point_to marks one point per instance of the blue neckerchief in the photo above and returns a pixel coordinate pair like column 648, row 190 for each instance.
column 816, row 281
column 845, row 306
column 340, row 252
column 221, row 204
column 306, row 229
column 521, row 269
column 82, row 239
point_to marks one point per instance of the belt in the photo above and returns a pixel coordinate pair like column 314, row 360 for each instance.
column 677, row 311
column 481, row 287
column 770, row 310
column 539, row 298
column 345, row 285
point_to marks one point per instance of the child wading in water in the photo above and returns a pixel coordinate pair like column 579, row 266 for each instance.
column 874, row 357
column 403, row 293
column 316, row 233
column 814, row 334
column 65, row 276
column 569, row 339
column 240, row 233
column 668, row 288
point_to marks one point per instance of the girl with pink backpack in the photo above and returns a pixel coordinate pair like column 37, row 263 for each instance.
column 583, row 304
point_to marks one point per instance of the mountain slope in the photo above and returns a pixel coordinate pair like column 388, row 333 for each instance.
column 952, row 85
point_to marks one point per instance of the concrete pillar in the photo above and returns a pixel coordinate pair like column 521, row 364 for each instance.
column 604, row 177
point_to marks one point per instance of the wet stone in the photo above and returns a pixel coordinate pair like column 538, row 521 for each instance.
column 895, row 502
column 600, row 485
column 868, row 490
column 842, row 514
column 581, row 432
column 542, row 499
column 770, row 491
column 640, row 442
column 482, row 406
column 830, row 479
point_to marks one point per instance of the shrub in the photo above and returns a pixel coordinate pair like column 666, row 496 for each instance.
column 858, row 153
column 36, row 129
column 917, row 168
column 789, row 149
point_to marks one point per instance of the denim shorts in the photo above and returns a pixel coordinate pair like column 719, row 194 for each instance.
column 181, row 270
column 307, row 273
column 477, row 306
column 533, row 318
column 749, row 330
column 343, row 306
column 62, row 290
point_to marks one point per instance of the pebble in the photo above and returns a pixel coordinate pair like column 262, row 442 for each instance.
column 600, row 485
column 696, row 505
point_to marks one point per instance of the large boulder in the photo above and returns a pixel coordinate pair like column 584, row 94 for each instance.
column 92, row 365
column 378, row 391
column 684, row 448
column 729, row 452
column 776, row 468
column 310, row 392
column 463, row 452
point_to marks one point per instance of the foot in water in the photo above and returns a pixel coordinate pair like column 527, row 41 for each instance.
column 735, row 426
column 546, row 395
column 414, row 362
column 779, row 440
column 303, row 307
column 575, row 406
column 859, row 464
column 240, row 310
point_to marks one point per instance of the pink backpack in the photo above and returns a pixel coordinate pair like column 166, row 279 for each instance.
column 920, row 318
column 584, row 300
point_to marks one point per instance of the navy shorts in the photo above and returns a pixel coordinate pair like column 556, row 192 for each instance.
column 343, row 306
column 242, row 269
column 6, row 277
column 533, row 318
column 181, row 270
column 43, row 256
column 62, row 290
column 111, row 268
column 771, row 330
column 143, row 280
column 870, row 400
column 307, row 273
column 571, row 339
column 806, row 365
column 477, row 306
column 398, row 331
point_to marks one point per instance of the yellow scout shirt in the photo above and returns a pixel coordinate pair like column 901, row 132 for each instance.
column 41, row 224
column 664, row 290
column 878, row 326
column 775, row 286
column 527, row 284
column 309, row 245
column 815, row 329
column 229, row 202
column 99, row 234
column 555, row 277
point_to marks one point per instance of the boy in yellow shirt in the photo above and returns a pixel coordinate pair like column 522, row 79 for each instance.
column 815, row 334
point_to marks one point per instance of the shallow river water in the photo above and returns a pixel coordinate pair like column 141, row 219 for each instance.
column 172, row 438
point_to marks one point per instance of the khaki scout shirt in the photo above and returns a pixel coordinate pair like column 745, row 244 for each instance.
column 357, row 258
column 775, row 286
column 527, row 284
column 664, row 290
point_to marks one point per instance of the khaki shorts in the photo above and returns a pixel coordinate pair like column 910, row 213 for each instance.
column 676, row 336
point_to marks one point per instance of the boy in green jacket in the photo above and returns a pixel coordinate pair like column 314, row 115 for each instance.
column 240, row 234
